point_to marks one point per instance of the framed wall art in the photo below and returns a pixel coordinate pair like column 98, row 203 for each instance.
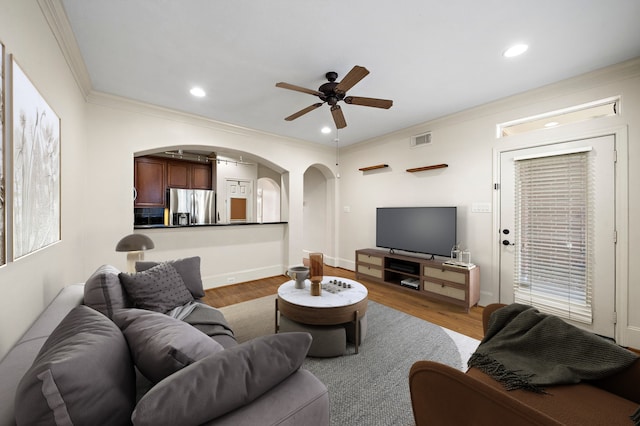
column 3, row 216
column 36, row 167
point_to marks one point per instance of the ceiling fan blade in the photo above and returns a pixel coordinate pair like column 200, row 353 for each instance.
column 338, row 117
column 303, row 111
column 370, row 102
column 356, row 74
column 298, row 88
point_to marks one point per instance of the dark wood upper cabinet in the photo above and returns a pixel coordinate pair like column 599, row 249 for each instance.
column 179, row 174
column 149, row 177
column 201, row 176
column 153, row 175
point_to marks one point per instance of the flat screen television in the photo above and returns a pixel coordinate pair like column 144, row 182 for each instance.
column 428, row 230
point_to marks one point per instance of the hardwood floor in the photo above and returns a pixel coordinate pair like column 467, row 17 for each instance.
column 400, row 298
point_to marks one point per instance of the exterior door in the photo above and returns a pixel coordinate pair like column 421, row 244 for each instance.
column 601, row 158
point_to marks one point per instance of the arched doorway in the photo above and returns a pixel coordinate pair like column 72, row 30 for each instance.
column 268, row 202
column 319, row 213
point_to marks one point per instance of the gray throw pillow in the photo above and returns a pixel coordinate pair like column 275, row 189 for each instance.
column 161, row 345
column 189, row 270
column 224, row 381
column 103, row 291
column 83, row 375
column 157, row 289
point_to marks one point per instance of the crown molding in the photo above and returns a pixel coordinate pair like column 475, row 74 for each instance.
column 138, row 107
column 56, row 17
column 603, row 76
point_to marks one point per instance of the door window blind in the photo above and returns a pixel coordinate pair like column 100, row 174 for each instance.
column 553, row 232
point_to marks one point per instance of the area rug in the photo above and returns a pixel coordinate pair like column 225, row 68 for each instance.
column 371, row 387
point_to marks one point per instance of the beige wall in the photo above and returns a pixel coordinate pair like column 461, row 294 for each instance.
column 28, row 284
column 99, row 139
column 118, row 129
column 467, row 143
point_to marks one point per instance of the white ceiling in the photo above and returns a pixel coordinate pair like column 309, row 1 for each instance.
column 431, row 57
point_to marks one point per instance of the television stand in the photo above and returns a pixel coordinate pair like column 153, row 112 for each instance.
column 423, row 277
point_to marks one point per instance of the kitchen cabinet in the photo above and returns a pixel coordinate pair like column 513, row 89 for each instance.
column 187, row 175
column 178, row 174
column 149, row 178
column 201, row 176
column 153, row 175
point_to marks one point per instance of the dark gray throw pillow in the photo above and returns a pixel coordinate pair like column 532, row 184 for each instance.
column 157, row 289
column 83, row 375
column 224, row 381
column 161, row 345
column 103, row 291
column 189, row 270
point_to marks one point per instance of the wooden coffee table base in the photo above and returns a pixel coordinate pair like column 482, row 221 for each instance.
column 328, row 316
column 318, row 317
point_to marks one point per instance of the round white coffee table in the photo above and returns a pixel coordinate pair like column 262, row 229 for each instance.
column 341, row 302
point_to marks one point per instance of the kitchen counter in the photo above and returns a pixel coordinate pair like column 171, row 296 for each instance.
column 205, row 225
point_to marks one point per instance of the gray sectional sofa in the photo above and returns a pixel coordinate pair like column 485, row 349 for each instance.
column 131, row 349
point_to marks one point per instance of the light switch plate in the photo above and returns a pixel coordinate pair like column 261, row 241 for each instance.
column 481, row 207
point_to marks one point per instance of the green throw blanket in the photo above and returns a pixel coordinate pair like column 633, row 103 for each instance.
column 526, row 349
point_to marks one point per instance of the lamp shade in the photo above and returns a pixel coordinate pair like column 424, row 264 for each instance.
column 135, row 242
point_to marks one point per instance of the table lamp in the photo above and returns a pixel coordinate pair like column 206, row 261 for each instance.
column 134, row 245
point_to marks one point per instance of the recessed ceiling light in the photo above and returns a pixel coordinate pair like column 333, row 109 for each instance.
column 197, row 92
column 325, row 130
column 551, row 124
column 516, row 50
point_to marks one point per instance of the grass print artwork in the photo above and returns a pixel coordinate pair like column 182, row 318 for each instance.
column 2, row 191
column 36, row 168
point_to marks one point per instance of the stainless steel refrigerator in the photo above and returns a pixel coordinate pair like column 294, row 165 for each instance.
column 192, row 206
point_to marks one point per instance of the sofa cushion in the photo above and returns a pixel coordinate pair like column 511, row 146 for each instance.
column 103, row 291
column 157, row 289
column 161, row 345
column 82, row 375
column 189, row 270
column 223, row 381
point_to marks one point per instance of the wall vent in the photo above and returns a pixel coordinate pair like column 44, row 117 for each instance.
column 420, row 140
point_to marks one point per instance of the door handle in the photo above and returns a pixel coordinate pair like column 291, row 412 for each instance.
column 506, row 242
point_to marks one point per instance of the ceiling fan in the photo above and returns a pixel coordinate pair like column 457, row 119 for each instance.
column 334, row 92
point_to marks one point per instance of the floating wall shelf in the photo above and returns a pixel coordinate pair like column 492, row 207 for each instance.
column 421, row 169
column 378, row 166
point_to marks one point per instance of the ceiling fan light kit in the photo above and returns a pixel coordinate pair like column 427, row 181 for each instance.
column 333, row 92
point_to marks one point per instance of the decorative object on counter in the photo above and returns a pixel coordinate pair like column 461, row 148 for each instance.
column 465, row 257
column 316, row 261
column 455, row 253
column 134, row 245
column 299, row 274
column 460, row 257
column 336, row 286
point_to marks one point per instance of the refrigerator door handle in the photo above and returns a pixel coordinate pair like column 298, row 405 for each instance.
column 194, row 210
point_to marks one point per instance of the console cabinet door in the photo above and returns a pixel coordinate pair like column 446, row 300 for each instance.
column 369, row 265
column 149, row 182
